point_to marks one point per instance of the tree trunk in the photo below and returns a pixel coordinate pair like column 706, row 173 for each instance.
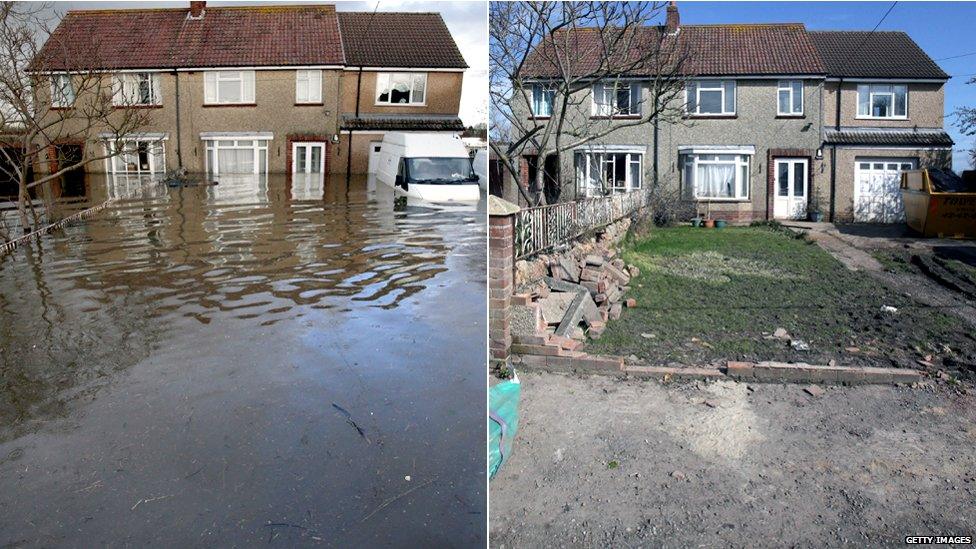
column 22, row 197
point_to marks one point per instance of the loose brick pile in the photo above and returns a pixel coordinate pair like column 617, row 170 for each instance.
column 584, row 289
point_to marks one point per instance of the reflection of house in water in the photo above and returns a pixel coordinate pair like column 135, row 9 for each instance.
column 261, row 246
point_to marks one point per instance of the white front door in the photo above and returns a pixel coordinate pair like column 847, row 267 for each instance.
column 877, row 189
column 791, row 185
column 308, row 157
column 374, row 156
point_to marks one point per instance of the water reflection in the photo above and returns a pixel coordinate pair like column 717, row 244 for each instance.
column 253, row 248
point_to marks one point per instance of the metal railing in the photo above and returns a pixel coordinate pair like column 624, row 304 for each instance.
column 540, row 228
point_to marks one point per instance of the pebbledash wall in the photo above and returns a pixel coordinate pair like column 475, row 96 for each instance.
column 274, row 110
column 755, row 124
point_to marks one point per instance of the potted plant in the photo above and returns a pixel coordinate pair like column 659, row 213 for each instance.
column 814, row 208
column 708, row 223
column 719, row 223
column 697, row 220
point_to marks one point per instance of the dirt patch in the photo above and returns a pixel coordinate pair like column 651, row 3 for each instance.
column 710, row 266
column 714, row 296
column 853, row 466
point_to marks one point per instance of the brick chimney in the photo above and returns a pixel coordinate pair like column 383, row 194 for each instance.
column 197, row 9
column 673, row 22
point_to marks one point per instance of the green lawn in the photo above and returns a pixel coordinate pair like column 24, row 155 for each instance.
column 713, row 295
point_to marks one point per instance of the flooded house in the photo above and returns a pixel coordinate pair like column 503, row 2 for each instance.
column 255, row 89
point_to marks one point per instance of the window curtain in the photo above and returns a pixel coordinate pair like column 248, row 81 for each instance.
column 235, row 160
column 716, row 180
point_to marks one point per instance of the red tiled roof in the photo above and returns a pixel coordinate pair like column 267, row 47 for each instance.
column 399, row 40
column 708, row 50
column 166, row 38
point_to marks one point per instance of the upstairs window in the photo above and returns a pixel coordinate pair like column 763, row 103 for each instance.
column 789, row 98
column 228, row 87
column 882, row 101
column 62, row 91
column 616, row 99
column 308, row 86
column 136, row 89
column 711, row 97
column 401, row 88
column 543, row 97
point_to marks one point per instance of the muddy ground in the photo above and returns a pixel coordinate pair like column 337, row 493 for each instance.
column 706, row 297
column 604, row 462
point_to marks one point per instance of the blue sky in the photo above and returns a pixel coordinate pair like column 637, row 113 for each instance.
column 942, row 29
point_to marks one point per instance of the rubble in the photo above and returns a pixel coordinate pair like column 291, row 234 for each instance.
column 553, row 315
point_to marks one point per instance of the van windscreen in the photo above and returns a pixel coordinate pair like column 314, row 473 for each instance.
column 439, row 170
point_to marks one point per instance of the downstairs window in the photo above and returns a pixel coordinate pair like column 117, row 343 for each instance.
column 716, row 176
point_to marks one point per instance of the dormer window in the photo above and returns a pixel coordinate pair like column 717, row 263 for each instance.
column 882, row 101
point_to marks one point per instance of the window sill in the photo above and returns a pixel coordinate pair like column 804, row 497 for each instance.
column 712, row 116
column 619, row 117
column 795, row 116
column 309, row 104
column 400, row 104
column 901, row 118
column 53, row 108
column 212, row 105
column 539, row 117
column 725, row 200
column 120, row 107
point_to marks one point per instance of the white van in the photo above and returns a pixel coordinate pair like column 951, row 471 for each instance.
column 430, row 166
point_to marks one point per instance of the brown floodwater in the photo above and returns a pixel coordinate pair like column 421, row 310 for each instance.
column 261, row 361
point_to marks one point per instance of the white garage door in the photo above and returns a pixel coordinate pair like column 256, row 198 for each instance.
column 877, row 192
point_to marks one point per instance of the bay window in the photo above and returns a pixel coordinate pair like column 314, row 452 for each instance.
column 716, row 176
column 543, row 96
column 62, row 91
column 135, row 156
column 710, row 97
column 616, row 99
column 602, row 172
column 789, row 98
column 401, row 88
column 882, row 101
column 228, row 87
column 308, row 87
column 136, row 89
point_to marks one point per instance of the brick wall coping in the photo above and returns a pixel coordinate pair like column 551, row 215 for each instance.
column 501, row 207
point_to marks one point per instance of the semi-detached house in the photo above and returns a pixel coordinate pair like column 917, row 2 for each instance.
column 257, row 89
column 776, row 119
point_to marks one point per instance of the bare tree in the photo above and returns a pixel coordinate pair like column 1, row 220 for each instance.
column 54, row 92
column 564, row 49
column 967, row 123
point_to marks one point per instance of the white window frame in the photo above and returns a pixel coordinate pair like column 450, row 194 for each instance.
column 125, row 91
column 740, row 161
column 543, row 88
column 870, row 88
column 154, row 169
column 597, row 159
column 311, row 81
column 212, row 149
column 294, row 156
column 788, row 87
column 383, row 83
column 211, row 87
column 612, row 108
column 60, row 83
column 720, row 87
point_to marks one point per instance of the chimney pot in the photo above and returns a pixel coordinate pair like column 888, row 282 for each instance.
column 673, row 21
column 197, row 9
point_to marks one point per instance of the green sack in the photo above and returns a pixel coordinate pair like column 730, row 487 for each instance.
column 503, row 403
